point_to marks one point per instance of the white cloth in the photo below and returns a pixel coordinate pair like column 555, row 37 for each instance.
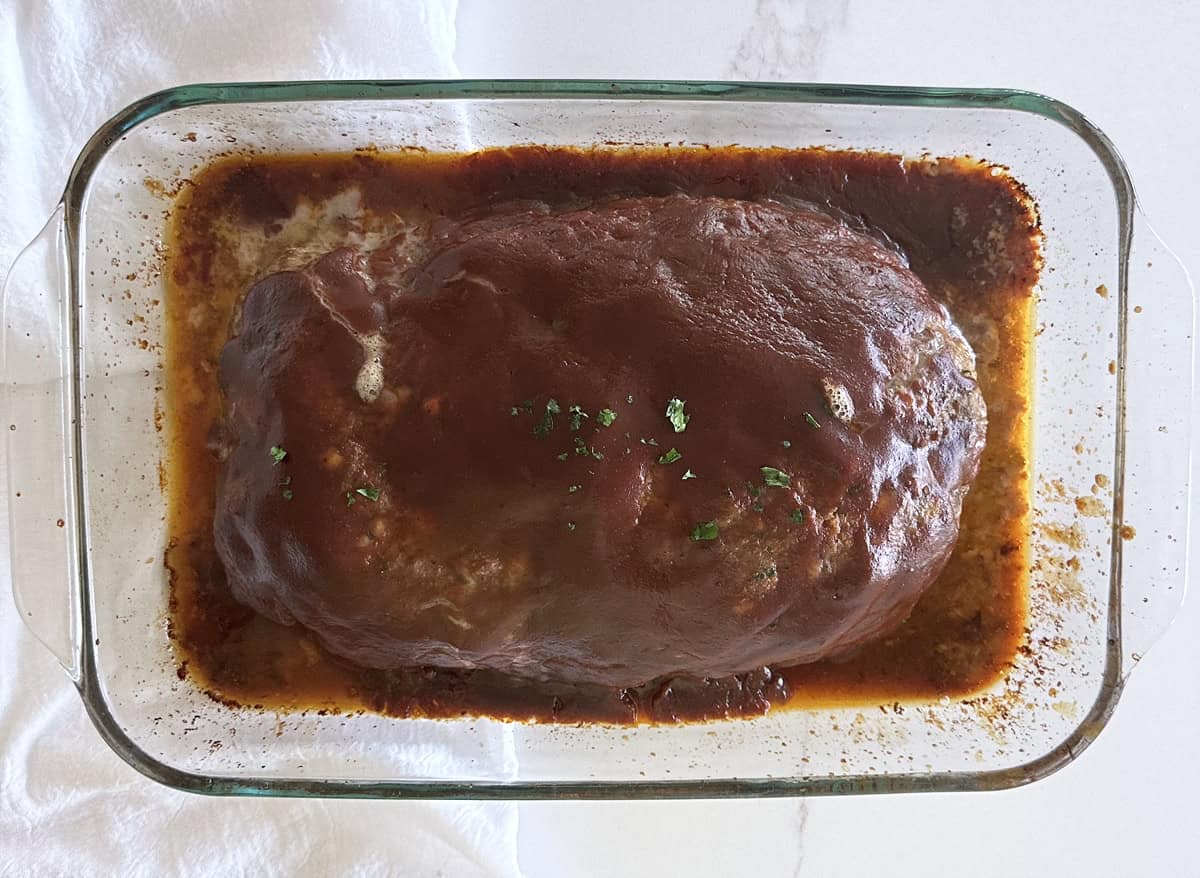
column 68, row 805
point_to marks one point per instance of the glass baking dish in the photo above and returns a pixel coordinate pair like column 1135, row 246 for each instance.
column 1111, row 462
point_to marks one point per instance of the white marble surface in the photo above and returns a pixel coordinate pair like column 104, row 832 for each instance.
column 1129, row 805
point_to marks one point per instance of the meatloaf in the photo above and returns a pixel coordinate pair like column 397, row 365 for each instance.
column 652, row 436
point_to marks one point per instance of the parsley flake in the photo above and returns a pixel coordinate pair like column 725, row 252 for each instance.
column 546, row 424
column 653, row 442
column 350, row 498
column 606, row 417
column 670, row 457
column 570, row 525
column 786, row 443
column 581, row 448
column 577, row 416
column 776, row 478
column 629, row 399
column 689, row 475
column 753, row 490
column 371, row 494
column 563, row 456
column 278, row 453
column 287, row 494
column 573, row 489
column 676, row 416
column 706, row 530
column 798, row 515
column 758, row 507
column 811, row 421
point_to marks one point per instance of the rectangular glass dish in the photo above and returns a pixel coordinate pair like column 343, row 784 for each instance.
column 1110, row 459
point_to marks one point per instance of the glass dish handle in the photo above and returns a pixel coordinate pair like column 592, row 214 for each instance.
column 36, row 360
column 1155, row 384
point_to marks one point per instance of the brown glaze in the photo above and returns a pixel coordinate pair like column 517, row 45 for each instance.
column 449, row 397
column 546, row 539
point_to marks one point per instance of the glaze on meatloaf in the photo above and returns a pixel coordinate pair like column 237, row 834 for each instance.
column 647, row 437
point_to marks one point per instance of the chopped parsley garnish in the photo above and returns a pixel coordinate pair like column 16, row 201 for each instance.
column 676, row 416
column 768, row 573
column 581, row 448
column 811, row 421
column 670, row 457
column 546, row 424
column 278, row 453
column 753, row 489
column 629, row 399
column 573, row 489
column 606, row 417
column 776, row 478
column 646, row 441
column 514, row 411
column 786, row 444
column 689, row 475
column 577, row 416
column 706, row 530
column 563, row 456
column 758, row 507
column 798, row 515
column 371, row 494
column 570, row 525
column 350, row 498
column 287, row 494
